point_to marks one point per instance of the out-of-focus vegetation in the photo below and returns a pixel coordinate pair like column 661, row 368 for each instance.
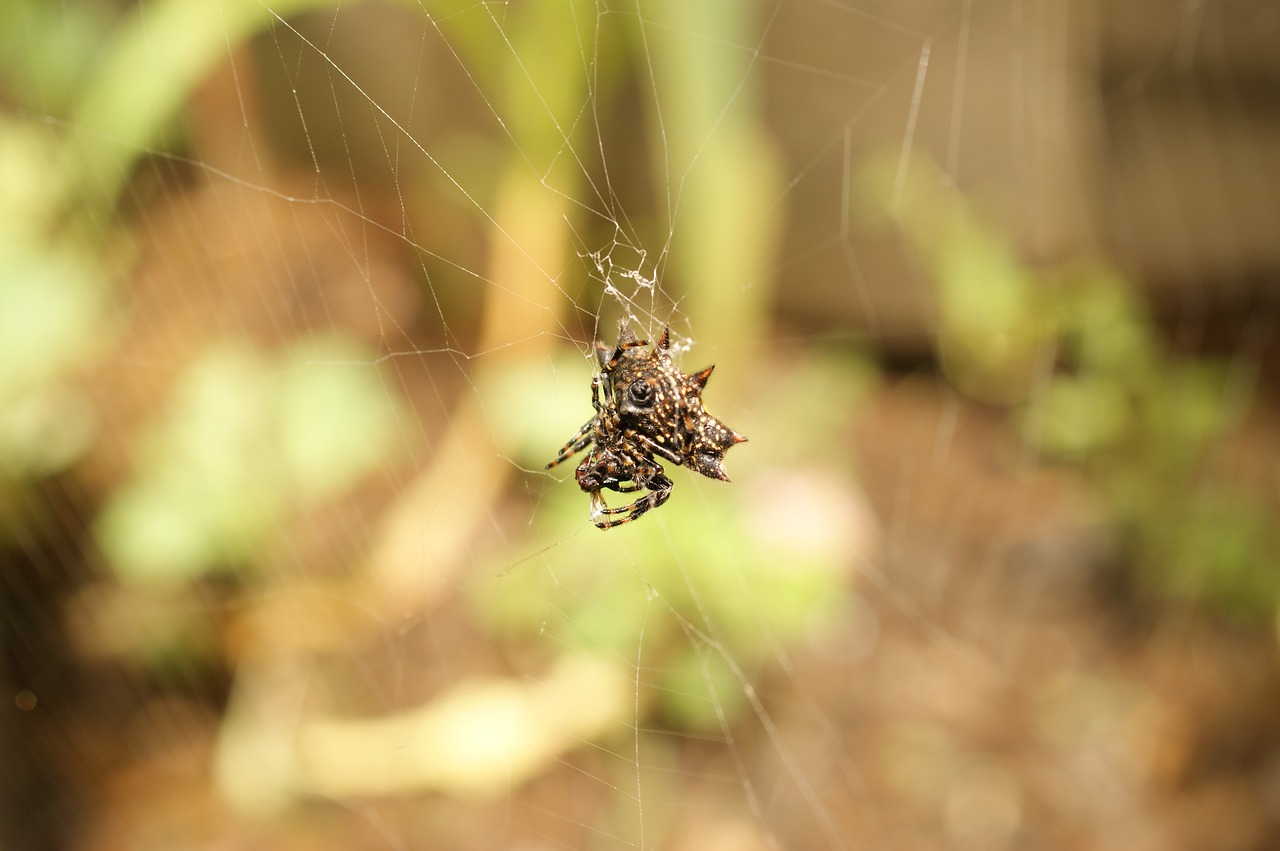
column 293, row 509
column 53, row 296
column 86, row 110
column 249, row 440
column 1095, row 386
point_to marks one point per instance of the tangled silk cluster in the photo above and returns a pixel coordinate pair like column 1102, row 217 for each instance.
column 646, row 409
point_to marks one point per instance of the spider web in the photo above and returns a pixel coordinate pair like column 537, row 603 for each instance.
column 306, row 294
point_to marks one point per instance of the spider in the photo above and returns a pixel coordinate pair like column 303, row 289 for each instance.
column 646, row 409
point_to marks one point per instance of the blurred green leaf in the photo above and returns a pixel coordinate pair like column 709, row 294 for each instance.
column 1187, row 402
column 1107, row 330
column 32, row 178
column 48, row 47
column 335, row 419
column 1220, row 549
column 1075, row 416
column 538, row 405
column 248, row 439
column 206, row 489
column 50, row 307
column 990, row 317
column 51, row 322
column 994, row 316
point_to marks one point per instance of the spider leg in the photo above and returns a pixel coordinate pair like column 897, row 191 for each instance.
column 660, row 491
column 623, row 345
column 577, row 443
column 631, row 512
column 595, row 393
column 625, row 476
column 660, row 449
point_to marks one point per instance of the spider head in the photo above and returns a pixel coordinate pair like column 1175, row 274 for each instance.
column 643, row 384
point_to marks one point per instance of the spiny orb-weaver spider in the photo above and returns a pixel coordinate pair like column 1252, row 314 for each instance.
column 645, row 407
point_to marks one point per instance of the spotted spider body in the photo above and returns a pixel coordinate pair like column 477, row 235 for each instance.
column 646, row 409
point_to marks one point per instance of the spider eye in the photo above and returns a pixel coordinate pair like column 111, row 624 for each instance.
column 640, row 393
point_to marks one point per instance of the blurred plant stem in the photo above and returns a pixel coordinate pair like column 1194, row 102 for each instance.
column 996, row 330
column 533, row 66
column 157, row 56
column 716, row 167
